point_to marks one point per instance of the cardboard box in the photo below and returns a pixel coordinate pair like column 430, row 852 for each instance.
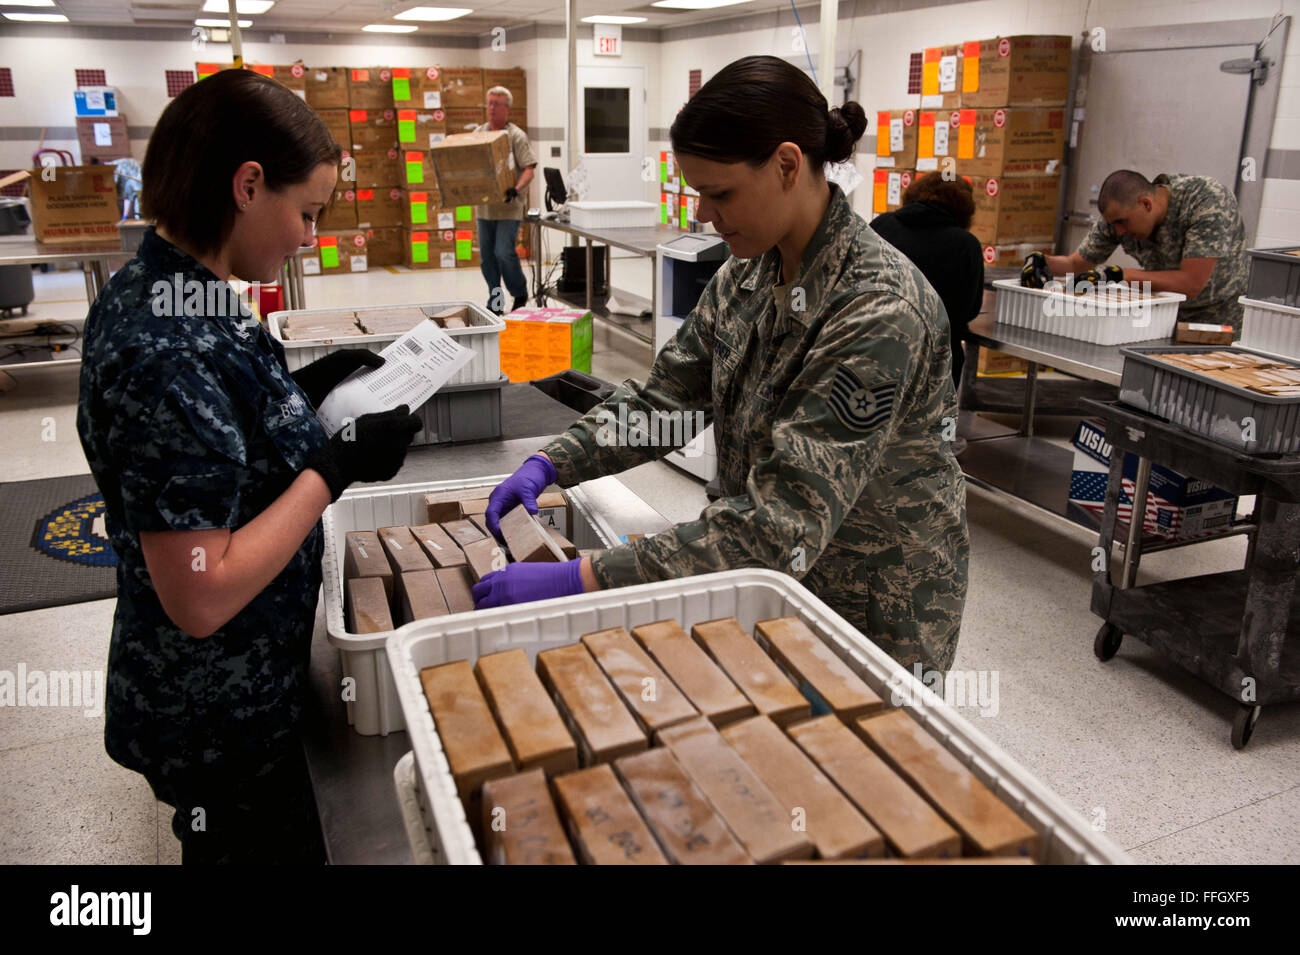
column 370, row 88
column 372, row 130
column 707, row 687
column 934, row 141
column 652, row 697
column 529, row 721
column 823, row 678
column 602, row 821
column 1016, row 71
column 292, row 75
column 687, row 828
column 1202, row 333
column 448, row 249
column 911, row 827
column 526, row 539
column 327, row 87
column 896, row 135
column 336, row 121
column 102, row 137
column 366, row 604
column 888, row 186
column 465, row 119
column 416, row 171
column 1178, row 507
column 1015, row 209
column 520, row 825
column 420, row 596
column 988, row 826
column 483, row 556
column 474, row 168
column 77, row 204
column 438, row 546
column 996, row 364
column 1011, row 255
column 341, row 214
column 462, row 86
column 537, row 342
column 742, row 659
column 602, row 726
column 1008, row 142
column 402, row 551
column 384, row 247
column 833, row 823
column 941, row 77
column 470, row 739
column 512, row 79
column 379, row 208
column 421, row 128
column 417, row 87
column 457, row 588
column 337, row 253
column 370, row 168
column 419, row 209
column 763, row 826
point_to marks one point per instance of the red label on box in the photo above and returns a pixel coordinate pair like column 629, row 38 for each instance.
column 1000, row 118
column 349, row 195
column 365, row 195
column 360, row 76
column 1004, row 47
column 394, row 193
column 908, row 118
column 431, row 72
column 439, row 116
column 971, row 48
column 401, row 73
column 385, row 76
column 358, row 240
column 329, row 241
column 406, row 115
column 954, row 119
column 990, row 254
column 421, row 197
column 296, row 69
column 991, row 187
column 357, row 115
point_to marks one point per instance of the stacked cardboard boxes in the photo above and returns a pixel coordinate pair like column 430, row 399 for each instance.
column 545, row 341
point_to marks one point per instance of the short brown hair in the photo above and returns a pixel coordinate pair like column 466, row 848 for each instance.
column 209, row 131
column 955, row 195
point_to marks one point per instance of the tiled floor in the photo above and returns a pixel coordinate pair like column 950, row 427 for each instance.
column 1134, row 745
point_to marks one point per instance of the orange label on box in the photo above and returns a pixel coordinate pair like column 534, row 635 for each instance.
column 930, row 71
column 328, row 240
column 880, row 190
column 360, row 76
column 966, row 135
column 357, row 115
column 882, row 133
column 925, row 137
column 264, row 70
column 366, row 195
column 970, row 67
column 401, row 74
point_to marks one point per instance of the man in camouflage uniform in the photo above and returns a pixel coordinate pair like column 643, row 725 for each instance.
column 1186, row 233
column 833, row 410
column 217, row 430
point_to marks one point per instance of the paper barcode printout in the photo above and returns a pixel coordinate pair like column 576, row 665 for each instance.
column 415, row 366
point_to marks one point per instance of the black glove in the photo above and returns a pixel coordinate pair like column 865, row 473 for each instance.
column 320, row 377
column 1095, row 279
column 1035, row 274
column 371, row 448
column 511, row 194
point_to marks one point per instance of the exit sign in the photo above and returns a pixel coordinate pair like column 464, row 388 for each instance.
column 608, row 39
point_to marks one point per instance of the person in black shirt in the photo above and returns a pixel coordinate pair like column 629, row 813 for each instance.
column 931, row 228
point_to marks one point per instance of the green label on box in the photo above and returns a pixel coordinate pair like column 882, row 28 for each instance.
column 419, row 213
column 406, row 130
column 663, row 212
column 414, row 172
column 685, row 223
column 663, row 170
column 401, row 88
column 464, row 249
column 464, row 213
column 580, row 345
column 329, row 256
column 419, row 252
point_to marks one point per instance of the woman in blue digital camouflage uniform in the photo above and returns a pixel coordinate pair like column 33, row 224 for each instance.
column 215, row 472
column 821, row 356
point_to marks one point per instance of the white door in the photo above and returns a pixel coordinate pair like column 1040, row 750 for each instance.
column 612, row 133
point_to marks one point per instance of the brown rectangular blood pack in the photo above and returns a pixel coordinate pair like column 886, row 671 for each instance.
column 653, row 699
column 907, row 821
column 602, row 821
column 403, row 553
column 479, row 521
column 528, row 719
column 520, row 825
column 563, row 543
column 484, row 556
column 471, row 506
column 835, row 826
column 470, row 739
column 987, row 824
column 763, row 825
column 525, row 537
column 688, row 829
column 758, row 677
column 420, row 596
column 367, row 605
column 363, row 556
column 457, row 588
column 592, row 710
column 438, row 546
column 462, row 532
column 822, row 677
column 443, row 506
column 705, row 685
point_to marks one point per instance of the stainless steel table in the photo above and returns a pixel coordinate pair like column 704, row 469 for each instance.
column 94, row 259
column 643, row 241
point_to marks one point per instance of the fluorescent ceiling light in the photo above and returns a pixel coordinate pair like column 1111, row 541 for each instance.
column 250, row 7
column 28, row 3
column 37, row 17
column 432, row 13
column 243, row 24
column 604, row 18
column 388, row 28
column 696, row 4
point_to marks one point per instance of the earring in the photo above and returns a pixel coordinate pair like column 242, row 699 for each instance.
column 243, row 205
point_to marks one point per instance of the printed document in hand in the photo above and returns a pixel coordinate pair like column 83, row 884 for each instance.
column 415, row 366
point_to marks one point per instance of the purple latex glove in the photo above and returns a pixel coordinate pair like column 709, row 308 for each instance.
column 521, row 582
column 522, row 487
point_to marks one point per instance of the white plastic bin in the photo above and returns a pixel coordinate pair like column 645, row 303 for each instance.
column 612, row 215
column 376, row 711
column 1271, row 328
column 483, row 337
column 1102, row 319
column 749, row 595
column 419, row 831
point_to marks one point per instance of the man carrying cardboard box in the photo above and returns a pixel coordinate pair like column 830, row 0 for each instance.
column 498, row 222
column 1186, row 233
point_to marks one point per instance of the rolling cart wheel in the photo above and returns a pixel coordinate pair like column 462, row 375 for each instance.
column 1243, row 725
column 1107, row 643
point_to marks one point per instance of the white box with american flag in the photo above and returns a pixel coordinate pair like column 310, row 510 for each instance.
column 1178, row 507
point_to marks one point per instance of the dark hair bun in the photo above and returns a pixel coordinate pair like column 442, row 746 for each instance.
column 844, row 128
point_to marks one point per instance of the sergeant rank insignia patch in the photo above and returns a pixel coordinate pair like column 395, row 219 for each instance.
column 858, row 407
